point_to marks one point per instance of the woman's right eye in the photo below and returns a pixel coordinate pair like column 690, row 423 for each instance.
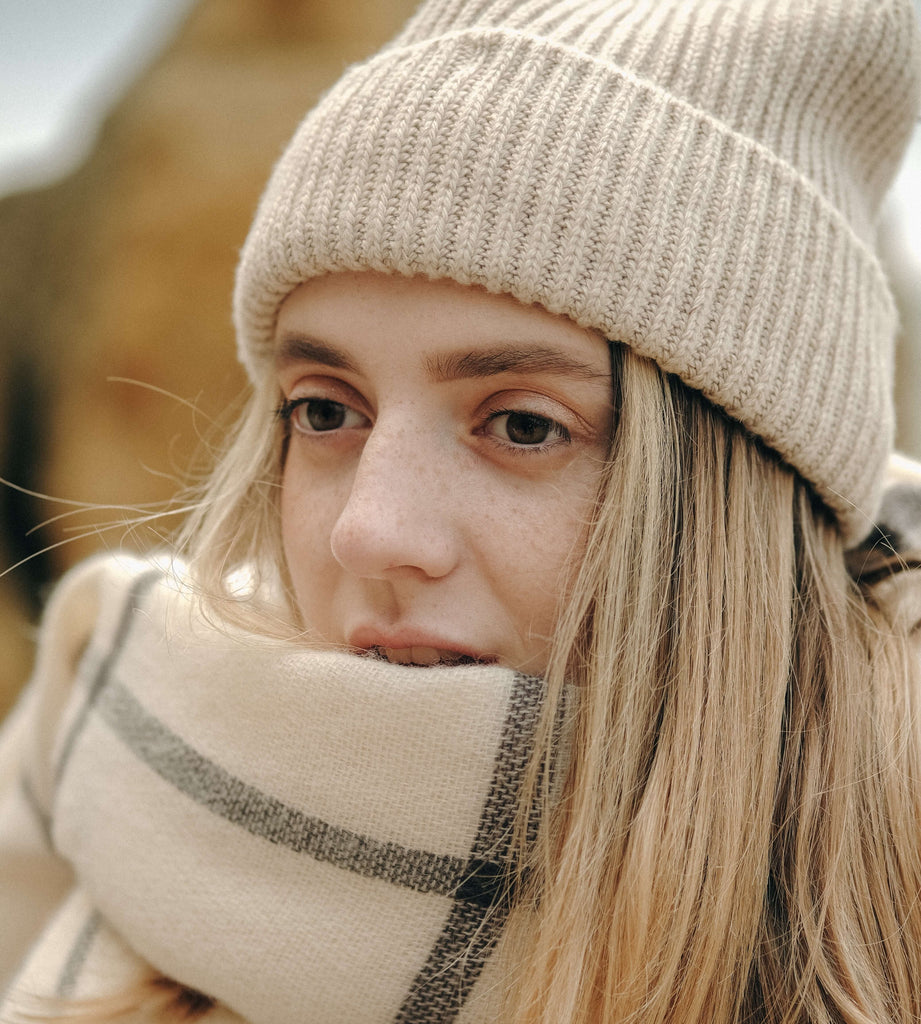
column 320, row 415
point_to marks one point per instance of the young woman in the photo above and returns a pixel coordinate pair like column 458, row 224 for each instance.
column 524, row 662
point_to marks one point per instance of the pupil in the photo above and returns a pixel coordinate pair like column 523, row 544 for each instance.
column 526, row 428
column 323, row 414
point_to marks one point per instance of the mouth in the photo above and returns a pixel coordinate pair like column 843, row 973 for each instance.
column 424, row 657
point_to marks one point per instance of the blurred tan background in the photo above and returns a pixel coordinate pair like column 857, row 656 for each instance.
column 123, row 272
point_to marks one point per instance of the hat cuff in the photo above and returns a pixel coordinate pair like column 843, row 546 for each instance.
column 496, row 159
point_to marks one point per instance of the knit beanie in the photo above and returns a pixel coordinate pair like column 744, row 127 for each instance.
column 698, row 179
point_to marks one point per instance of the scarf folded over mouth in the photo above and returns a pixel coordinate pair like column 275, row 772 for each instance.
column 302, row 835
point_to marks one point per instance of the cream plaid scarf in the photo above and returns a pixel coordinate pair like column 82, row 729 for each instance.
column 305, row 836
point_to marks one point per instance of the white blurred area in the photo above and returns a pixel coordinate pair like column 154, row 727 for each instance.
column 900, row 245
column 64, row 64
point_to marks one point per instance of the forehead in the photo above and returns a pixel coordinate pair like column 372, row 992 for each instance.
column 419, row 313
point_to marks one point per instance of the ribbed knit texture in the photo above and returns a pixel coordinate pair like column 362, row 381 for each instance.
column 697, row 179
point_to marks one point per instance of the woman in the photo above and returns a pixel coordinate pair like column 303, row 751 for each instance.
column 571, row 371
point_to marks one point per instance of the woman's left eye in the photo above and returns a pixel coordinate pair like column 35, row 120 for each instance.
column 526, row 429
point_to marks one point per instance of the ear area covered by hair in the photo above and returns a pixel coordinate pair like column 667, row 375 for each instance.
column 889, row 557
column 897, row 529
column 900, row 513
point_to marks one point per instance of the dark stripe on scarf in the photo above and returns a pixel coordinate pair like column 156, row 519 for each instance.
column 228, row 796
column 34, row 805
column 140, row 586
column 472, row 929
column 67, row 981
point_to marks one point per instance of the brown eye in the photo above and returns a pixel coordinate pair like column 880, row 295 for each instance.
column 320, row 415
column 527, row 429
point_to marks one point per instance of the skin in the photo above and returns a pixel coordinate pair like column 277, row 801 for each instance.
column 445, row 450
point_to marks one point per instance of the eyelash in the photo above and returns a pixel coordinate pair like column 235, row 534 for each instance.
column 558, row 433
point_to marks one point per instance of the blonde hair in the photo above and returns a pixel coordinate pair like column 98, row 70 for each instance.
column 151, row 999
column 739, row 838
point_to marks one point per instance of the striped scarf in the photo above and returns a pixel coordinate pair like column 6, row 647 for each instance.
column 302, row 835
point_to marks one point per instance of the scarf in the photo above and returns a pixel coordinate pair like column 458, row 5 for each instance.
column 302, row 835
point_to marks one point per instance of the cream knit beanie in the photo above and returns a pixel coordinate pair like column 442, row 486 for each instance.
column 696, row 178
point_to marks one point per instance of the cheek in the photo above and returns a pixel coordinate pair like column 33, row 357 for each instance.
column 307, row 517
column 538, row 555
column 539, row 544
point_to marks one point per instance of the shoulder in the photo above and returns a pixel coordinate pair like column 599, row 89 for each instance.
column 86, row 614
column 89, row 601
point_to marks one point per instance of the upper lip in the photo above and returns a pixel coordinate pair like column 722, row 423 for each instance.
column 367, row 639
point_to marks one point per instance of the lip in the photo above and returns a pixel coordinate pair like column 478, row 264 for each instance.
column 362, row 640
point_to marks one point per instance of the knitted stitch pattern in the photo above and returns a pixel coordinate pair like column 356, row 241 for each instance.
column 697, row 179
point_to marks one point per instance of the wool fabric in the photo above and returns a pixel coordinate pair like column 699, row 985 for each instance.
column 698, row 179
column 297, row 834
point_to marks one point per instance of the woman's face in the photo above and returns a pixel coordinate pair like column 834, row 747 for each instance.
column 446, row 446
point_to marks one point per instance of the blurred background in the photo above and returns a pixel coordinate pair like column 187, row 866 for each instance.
column 135, row 138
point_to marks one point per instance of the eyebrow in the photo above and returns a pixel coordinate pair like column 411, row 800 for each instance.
column 449, row 366
column 294, row 348
column 497, row 359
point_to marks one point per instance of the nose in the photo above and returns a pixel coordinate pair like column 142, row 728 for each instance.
column 398, row 517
